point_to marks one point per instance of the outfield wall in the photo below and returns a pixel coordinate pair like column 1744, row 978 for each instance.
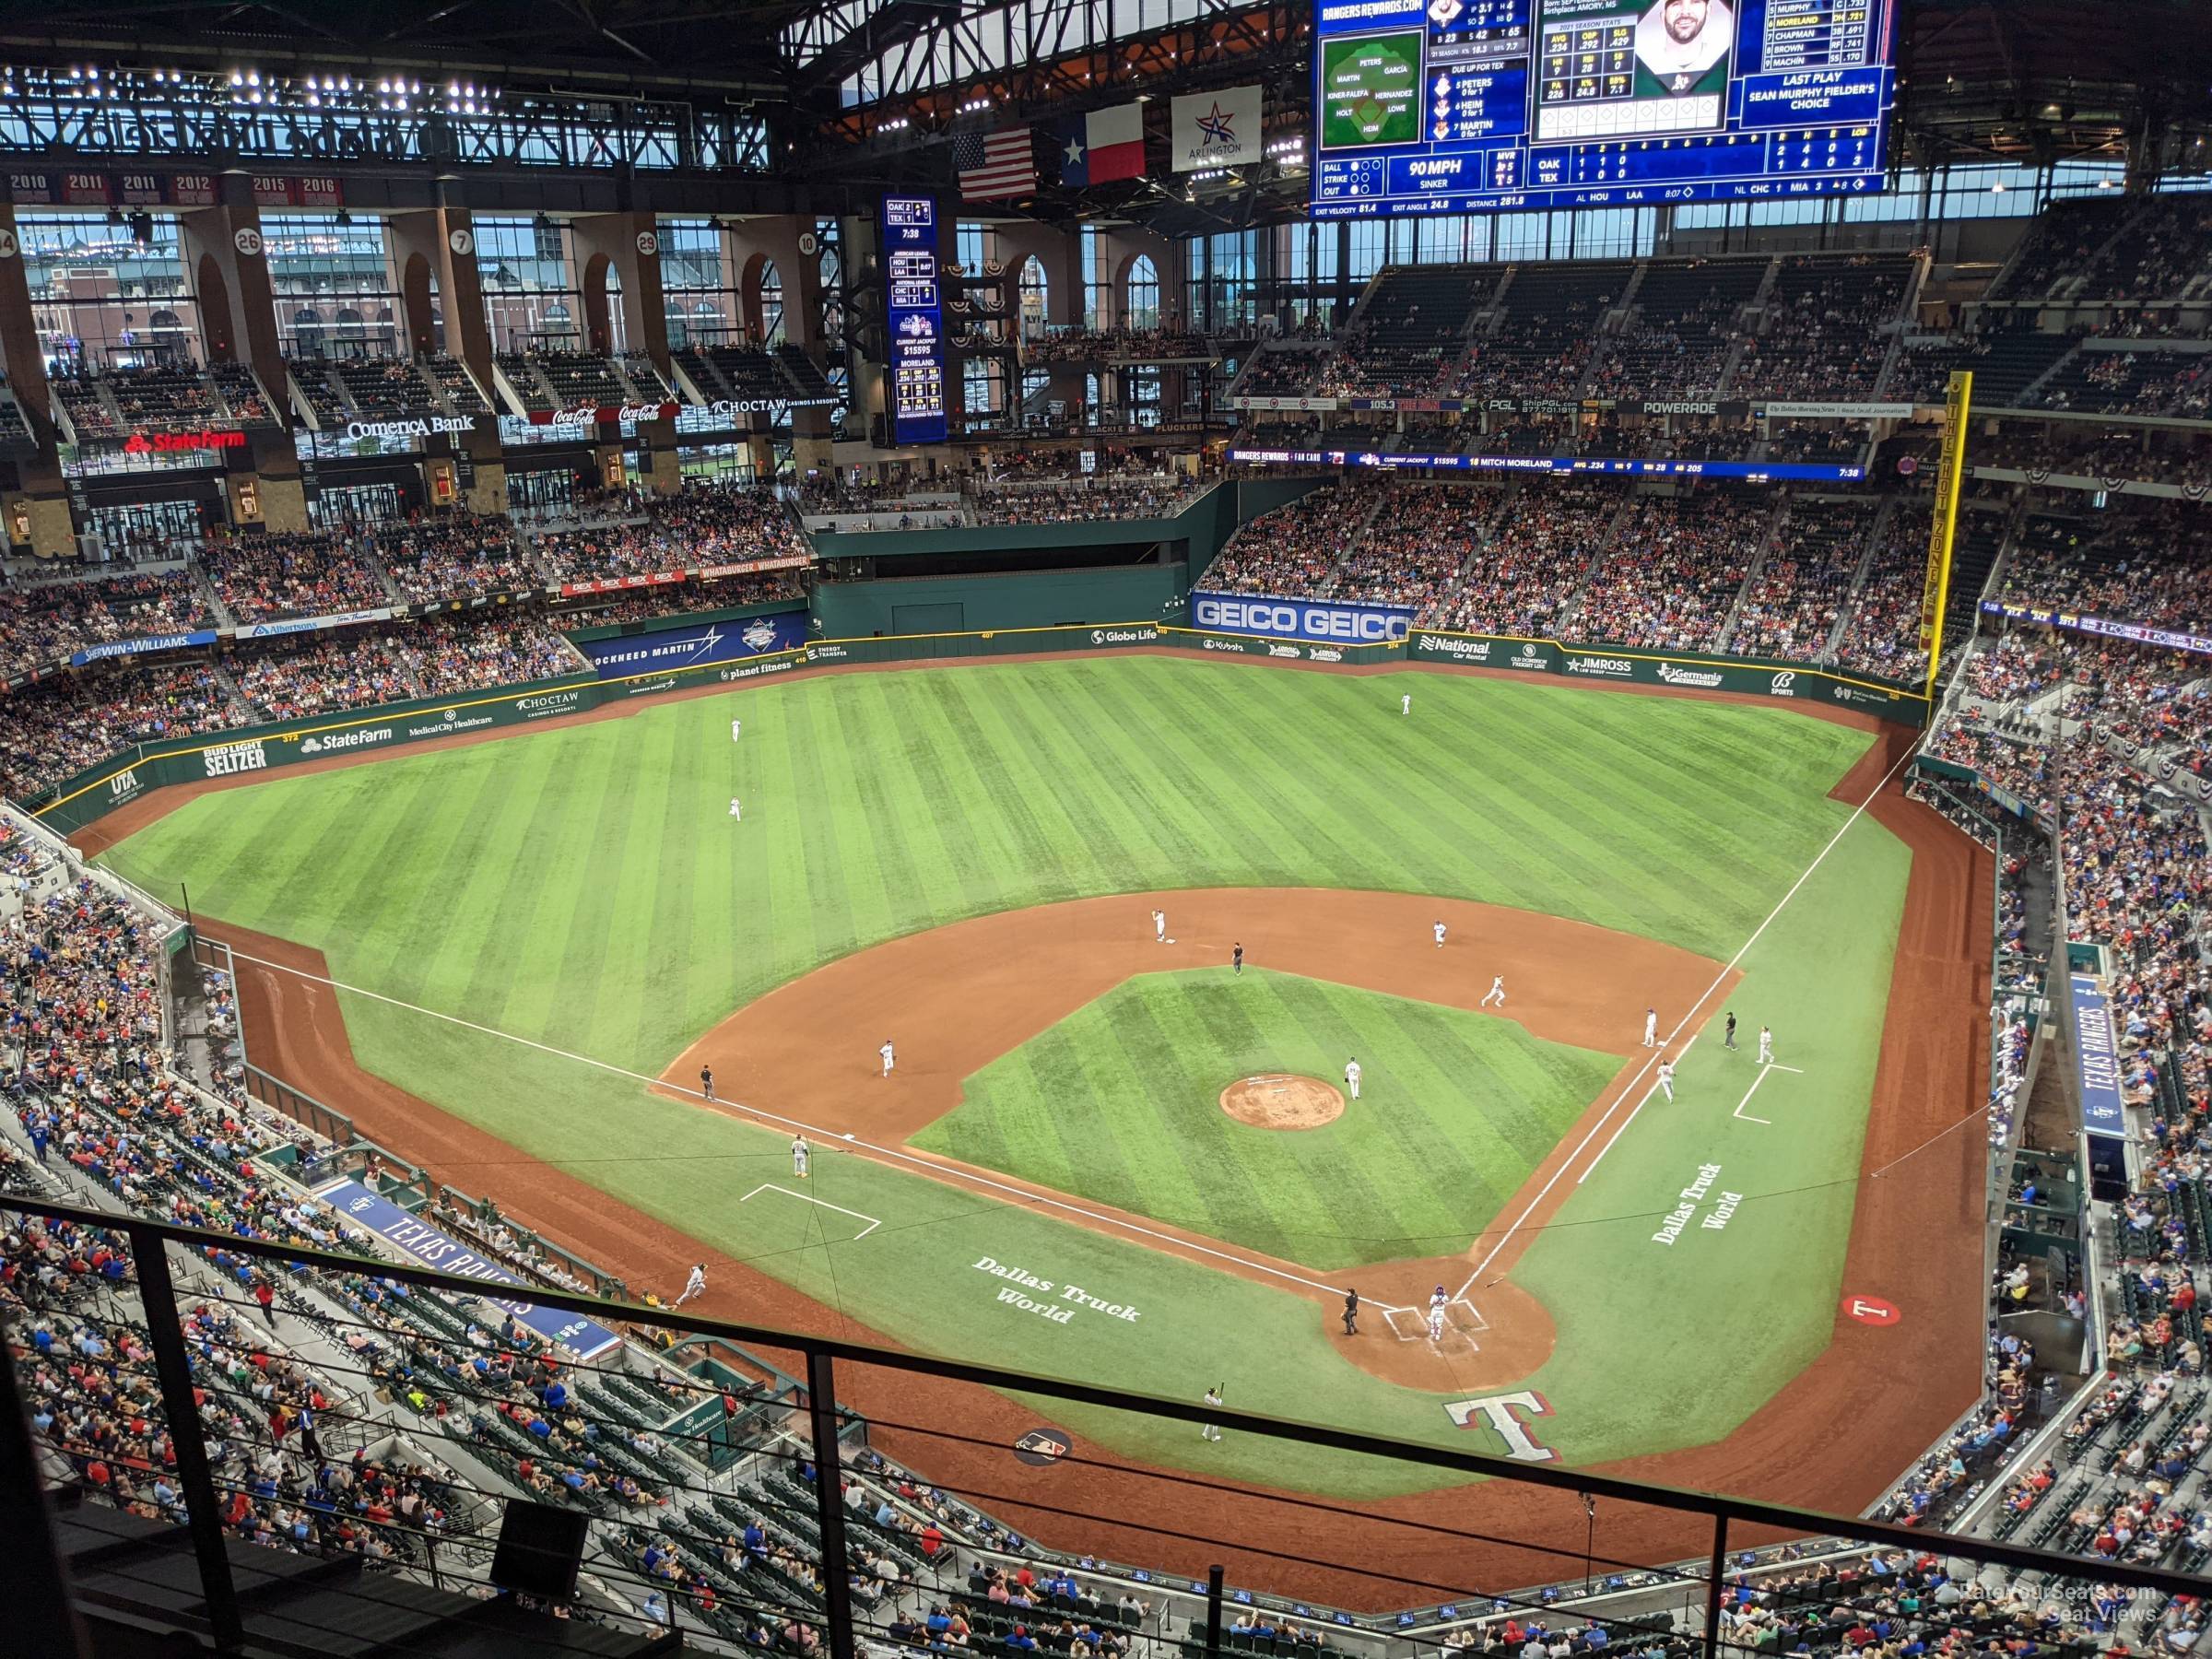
column 122, row 778
column 1753, row 676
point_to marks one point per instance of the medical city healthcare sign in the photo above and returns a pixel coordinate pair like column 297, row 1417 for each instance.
column 1301, row 619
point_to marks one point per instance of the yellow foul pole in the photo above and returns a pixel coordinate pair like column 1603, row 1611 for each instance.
column 1950, row 468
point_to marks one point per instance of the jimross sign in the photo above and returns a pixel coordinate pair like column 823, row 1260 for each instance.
column 1301, row 618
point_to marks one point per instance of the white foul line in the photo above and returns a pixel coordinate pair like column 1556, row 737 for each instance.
column 771, row 1186
column 944, row 1173
column 1530, row 1209
column 1616, row 1134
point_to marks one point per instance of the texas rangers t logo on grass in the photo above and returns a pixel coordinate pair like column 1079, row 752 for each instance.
column 1498, row 1412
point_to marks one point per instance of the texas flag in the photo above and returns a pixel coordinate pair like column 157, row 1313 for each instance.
column 1103, row 145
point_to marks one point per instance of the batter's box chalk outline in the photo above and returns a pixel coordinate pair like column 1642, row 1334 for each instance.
column 771, row 1186
column 1461, row 1318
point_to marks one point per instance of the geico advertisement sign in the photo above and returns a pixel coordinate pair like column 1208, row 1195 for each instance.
column 1342, row 624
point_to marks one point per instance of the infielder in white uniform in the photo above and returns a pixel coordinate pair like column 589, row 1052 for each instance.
column 736, row 726
column 1351, row 1078
column 1406, row 703
column 798, row 1155
column 735, row 811
column 887, row 1056
column 1651, row 1028
column 1440, row 934
column 694, row 1285
column 1496, row 994
column 1766, row 1046
column 1159, row 927
column 1666, row 1077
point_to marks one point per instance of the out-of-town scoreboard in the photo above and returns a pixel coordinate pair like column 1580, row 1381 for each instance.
column 1478, row 106
column 915, row 310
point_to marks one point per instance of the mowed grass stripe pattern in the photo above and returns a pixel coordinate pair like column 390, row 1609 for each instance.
column 1121, row 1102
column 586, row 887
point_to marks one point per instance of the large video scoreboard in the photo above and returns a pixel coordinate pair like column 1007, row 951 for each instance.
column 1477, row 106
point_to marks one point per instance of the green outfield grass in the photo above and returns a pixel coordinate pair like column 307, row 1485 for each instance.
column 1120, row 1101
column 585, row 888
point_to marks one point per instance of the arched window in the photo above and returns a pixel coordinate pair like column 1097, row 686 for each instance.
column 307, row 330
column 771, row 304
column 1035, row 294
column 1140, row 296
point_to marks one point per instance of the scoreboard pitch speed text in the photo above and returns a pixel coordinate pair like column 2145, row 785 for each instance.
column 1477, row 106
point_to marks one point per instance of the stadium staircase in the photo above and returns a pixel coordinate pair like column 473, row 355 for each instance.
column 1906, row 314
column 1977, row 548
column 1770, row 541
column 1875, row 533
column 1573, row 604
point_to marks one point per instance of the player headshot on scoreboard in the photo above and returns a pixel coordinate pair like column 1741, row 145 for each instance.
column 1682, row 48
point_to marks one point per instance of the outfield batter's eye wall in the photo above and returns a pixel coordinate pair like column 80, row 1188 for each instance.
column 92, row 794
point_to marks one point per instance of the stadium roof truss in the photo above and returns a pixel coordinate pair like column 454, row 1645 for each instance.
column 906, row 47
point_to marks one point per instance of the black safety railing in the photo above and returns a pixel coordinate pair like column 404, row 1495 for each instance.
column 815, row 1541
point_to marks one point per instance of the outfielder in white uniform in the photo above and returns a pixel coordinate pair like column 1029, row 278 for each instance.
column 1159, row 927
column 694, row 1285
column 735, row 811
column 799, row 1150
column 1496, row 994
column 887, row 1056
column 1351, row 1078
column 1440, row 934
column 1766, row 1046
column 1406, row 703
column 1666, row 1077
column 736, row 726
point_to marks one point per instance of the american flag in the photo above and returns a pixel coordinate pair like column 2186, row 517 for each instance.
column 995, row 164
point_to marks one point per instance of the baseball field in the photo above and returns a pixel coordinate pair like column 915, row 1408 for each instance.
column 538, row 942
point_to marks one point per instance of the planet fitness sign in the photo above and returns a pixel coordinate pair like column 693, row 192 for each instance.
column 1301, row 619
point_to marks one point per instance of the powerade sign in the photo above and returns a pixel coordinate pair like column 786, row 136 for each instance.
column 695, row 643
column 586, row 1338
column 1301, row 619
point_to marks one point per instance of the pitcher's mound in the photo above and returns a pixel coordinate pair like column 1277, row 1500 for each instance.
column 1279, row 1100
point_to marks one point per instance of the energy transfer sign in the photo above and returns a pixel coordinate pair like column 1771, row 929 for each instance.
column 1301, row 619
